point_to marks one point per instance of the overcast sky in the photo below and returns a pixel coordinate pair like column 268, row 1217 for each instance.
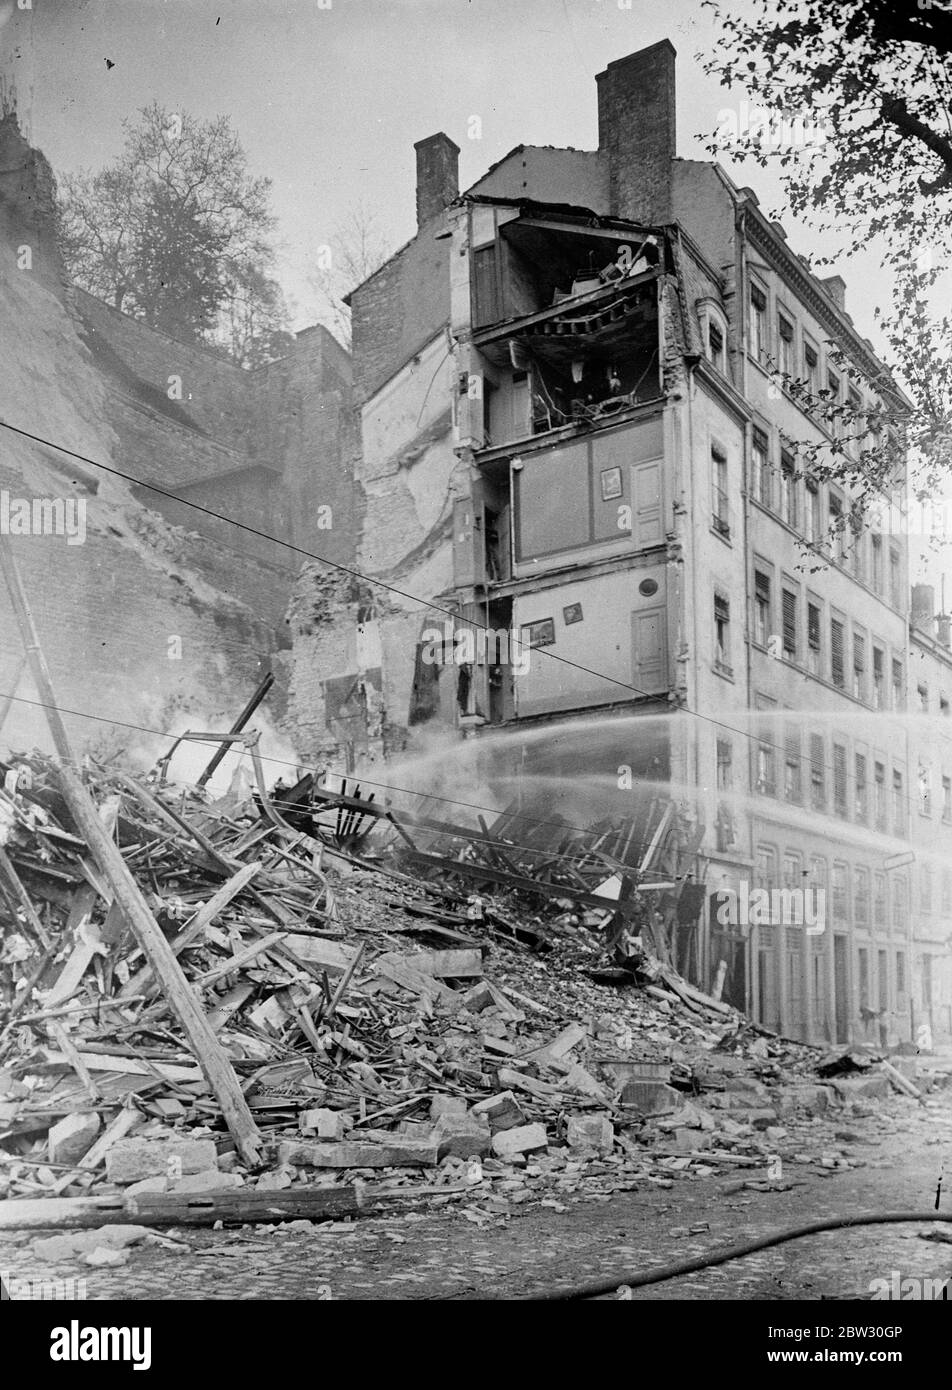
column 329, row 101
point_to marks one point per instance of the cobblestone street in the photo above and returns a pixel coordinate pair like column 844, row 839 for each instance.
column 462, row 1251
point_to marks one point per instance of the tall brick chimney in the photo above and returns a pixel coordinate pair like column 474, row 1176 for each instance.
column 636, row 129
column 437, row 175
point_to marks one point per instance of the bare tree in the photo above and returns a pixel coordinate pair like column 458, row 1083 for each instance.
column 358, row 248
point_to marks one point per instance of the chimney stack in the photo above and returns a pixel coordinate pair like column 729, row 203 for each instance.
column 437, row 175
column 923, row 608
column 636, row 130
column 835, row 287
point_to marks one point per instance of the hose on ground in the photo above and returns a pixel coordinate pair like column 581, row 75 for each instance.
column 736, row 1252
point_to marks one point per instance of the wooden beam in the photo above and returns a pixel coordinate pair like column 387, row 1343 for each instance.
column 216, row 1067
column 180, row 1209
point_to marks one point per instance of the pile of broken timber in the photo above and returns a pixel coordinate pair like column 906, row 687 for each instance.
column 174, row 968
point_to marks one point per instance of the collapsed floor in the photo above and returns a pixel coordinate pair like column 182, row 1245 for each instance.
column 398, row 1039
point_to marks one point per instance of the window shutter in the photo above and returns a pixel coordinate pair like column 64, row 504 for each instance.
column 789, row 623
column 859, row 653
column 813, row 626
column 757, row 297
column 786, row 329
column 836, row 651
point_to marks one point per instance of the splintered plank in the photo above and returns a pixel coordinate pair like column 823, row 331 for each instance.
column 202, row 1040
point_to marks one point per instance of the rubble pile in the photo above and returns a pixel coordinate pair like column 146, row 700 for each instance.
column 393, row 1038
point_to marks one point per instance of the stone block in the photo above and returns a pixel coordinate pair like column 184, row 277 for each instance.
column 72, row 1136
column 462, row 1136
column 522, row 1140
column 591, row 1132
column 211, row 1180
column 400, row 1152
column 652, row 1097
column 327, row 1124
column 447, row 1105
column 502, row 1111
column 131, row 1159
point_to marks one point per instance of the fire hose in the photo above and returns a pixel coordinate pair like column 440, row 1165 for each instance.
column 736, row 1252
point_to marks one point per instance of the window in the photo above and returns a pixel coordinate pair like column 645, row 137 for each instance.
column 839, row 779
column 860, row 788
column 765, row 867
column 837, row 660
column 923, row 692
column 785, row 332
column 715, row 344
column 813, row 638
column 758, row 323
column 722, row 634
column 899, row 804
column 863, row 960
column 925, row 791
column 879, row 901
column 943, row 705
column 765, row 771
column 876, row 546
column 895, row 583
column 857, row 421
column 897, row 685
column 879, row 665
column 833, row 401
column 861, row 898
column 841, row 904
column 761, row 608
column 947, row 799
column 811, row 368
column 721, row 516
column 725, row 765
column 817, row 773
column 858, row 557
column 900, row 972
column 789, row 490
column 789, row 602
column 791, row 766
column 814, row 524
column 837, row 528
column 879, row 795
column 925, row 888
column 762, row 478
column 859, row 666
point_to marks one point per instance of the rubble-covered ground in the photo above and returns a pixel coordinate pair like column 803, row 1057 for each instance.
column 448, row 1103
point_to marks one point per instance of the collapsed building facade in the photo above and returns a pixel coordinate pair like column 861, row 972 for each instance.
column 575, row 437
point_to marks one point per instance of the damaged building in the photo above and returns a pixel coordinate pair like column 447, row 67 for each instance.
column 584, row 520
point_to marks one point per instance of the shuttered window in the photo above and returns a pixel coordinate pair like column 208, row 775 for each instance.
column 789, row 625
column 761, row 608
column 791, row 778
column 839, row 779
column 836, row 652
column 817, row 773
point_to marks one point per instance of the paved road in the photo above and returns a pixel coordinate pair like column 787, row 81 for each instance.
column 463, row 1251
